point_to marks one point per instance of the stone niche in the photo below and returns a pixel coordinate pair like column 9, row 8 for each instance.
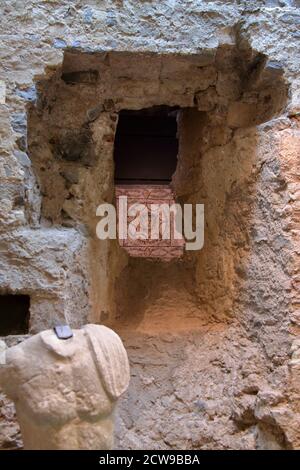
column 14, row 314
column 201, row 318
column 71, row 133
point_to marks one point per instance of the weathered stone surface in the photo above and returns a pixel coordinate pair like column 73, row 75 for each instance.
column 65, row 390
column 223, row 321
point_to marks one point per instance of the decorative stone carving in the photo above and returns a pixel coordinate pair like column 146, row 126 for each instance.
column 147, row 195
column 65, row 391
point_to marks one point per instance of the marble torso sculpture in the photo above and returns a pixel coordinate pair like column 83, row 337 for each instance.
column 65, row 391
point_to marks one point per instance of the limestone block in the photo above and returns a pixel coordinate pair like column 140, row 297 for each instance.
column 65, row 391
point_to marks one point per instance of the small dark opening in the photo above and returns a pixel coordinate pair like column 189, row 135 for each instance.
column 146, row 146
column 14, row 314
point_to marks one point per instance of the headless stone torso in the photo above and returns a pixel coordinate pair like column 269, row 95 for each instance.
column 64, row 398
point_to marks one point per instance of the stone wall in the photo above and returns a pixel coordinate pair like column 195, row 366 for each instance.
column 213, row 339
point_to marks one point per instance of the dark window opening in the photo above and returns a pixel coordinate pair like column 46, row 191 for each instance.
column 146, row 146
column 14, row 314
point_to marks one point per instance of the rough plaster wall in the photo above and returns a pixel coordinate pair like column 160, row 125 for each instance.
column 265, row 418
column 240, row 302
column 195, row 390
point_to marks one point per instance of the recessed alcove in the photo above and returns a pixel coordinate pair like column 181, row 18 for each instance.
column 14, row 314
column 109, row 119
column 145, row 158
column 146, row 146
